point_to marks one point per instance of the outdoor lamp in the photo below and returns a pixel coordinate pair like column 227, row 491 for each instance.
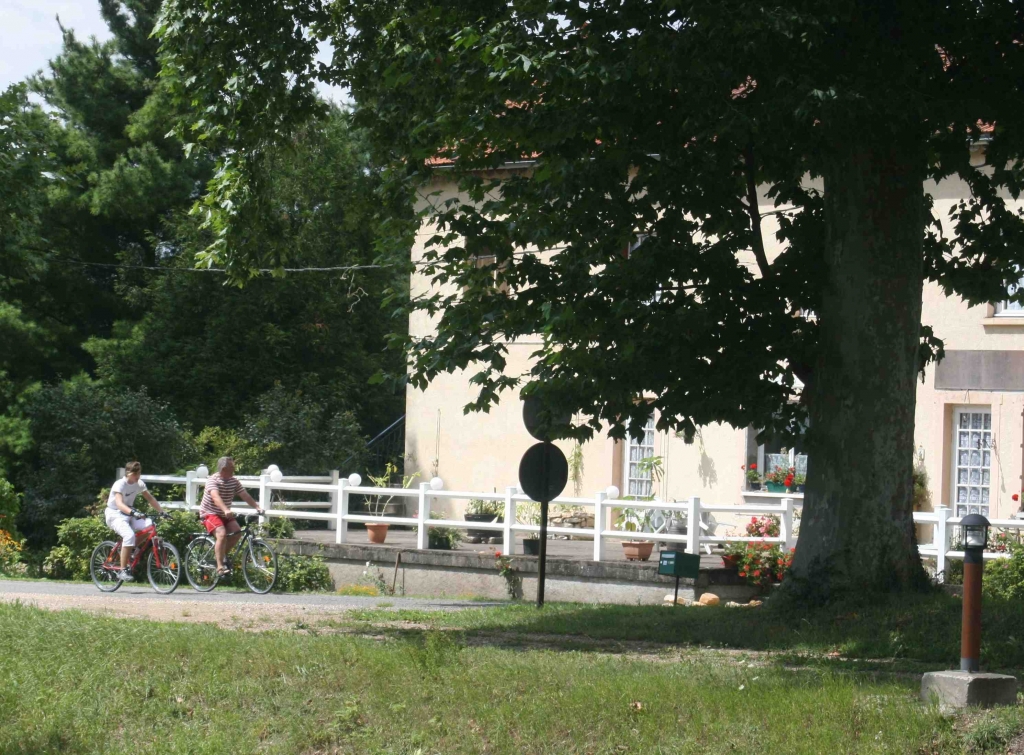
column 612, row 491
column 354, row 479
column 202, row 471
column 436, row 483
column 975, row 528
column 276, row 476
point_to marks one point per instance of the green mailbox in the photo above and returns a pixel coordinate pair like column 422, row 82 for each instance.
column 676, row 564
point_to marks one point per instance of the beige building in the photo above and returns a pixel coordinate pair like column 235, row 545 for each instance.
column 969, row 434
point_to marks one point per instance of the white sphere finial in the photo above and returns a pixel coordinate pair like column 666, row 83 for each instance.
column 354, row 479
column 612, row 491
column 273, row 468
column 276, row 476
column 202, row 471
column 436, row 483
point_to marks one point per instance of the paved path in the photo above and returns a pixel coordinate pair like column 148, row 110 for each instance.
column 14, row 589
column 226, row 608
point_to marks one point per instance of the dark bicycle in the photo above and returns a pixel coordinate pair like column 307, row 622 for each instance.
column 163, row 565
column 259, row 562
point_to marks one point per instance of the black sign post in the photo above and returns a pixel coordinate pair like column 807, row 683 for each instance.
column 675, row 564
column 543, row 473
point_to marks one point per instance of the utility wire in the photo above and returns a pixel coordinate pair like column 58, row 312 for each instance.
column 215, row 269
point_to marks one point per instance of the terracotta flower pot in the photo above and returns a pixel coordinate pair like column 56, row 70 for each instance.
column 378, row 532
column 730, row 561
column 637, row 550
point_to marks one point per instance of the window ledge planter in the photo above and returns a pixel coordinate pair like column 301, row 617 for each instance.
column 776, row 487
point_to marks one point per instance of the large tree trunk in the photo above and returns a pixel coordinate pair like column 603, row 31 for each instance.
column 857, row 530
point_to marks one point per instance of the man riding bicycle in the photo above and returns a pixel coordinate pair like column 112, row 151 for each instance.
column 121, row 515
column 215, row 509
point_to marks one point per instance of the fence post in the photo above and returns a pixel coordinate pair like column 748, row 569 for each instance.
column 264, row 498
column 693, row 525
column 190, row 490
column 786, row 524
column 335, row 476
column 508, row 545
column 941, row 539
column 423, row 515
column 341, row 526
column 599, row 499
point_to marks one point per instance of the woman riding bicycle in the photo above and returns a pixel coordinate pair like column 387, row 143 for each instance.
column 215, row 509
column 121, row 515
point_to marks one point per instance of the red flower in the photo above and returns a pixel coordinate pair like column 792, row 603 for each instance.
column 743, row 574
column 497, row 554
column 757, row 572
column 1015, row 497
column 753, row 519
column 753, row 466
column 779, row 576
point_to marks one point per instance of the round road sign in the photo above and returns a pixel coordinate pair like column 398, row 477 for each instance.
column 543, row 472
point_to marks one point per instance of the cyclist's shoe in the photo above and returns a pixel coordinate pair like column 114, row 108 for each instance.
column 125, row 576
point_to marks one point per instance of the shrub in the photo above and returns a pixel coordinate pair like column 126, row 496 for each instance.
column 443, row 538
column 10, row 503
column 10, row 555
column 302, row 574
column 279, row 527
column 180, row 528
column 76, row 540
column 490, row 508
column 1004, row 578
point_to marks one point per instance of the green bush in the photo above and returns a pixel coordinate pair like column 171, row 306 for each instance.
column 180, row 528
column 76, row 540
column 10, row 503
column 279, row 527
column 303, row 574
column 1005, row 578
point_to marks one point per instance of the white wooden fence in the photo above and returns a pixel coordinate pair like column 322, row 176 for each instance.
column 943, row 523
column 339, row 490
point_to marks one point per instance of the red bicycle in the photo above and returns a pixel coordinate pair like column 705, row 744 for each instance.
column 163, row 565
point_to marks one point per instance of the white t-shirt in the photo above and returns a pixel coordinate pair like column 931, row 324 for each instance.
column 127, row 490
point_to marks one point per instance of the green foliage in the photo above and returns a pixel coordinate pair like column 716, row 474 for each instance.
column 303, row 574
column 82, row 432
column 443, row 538
column 279, row 527
column 210, row 443
column 480, row 506
column 10, row 505
column 76, row 540
column 1004, row 578
column 10, row 555
column 179, row 528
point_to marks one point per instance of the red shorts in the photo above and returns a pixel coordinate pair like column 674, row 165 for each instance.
column 212, row 522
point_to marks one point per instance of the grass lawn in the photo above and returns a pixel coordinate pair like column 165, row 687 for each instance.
column 76, row 683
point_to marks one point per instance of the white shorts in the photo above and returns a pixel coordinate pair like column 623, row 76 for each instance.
column 126, row 526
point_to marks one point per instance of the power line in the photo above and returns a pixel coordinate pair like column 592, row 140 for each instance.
column 157, row 268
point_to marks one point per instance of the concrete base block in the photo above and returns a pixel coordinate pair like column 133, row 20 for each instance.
column 961, row 689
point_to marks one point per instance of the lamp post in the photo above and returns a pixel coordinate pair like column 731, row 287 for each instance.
column 975, row 528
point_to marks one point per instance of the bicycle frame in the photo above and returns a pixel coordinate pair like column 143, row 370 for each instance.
column 150, row 539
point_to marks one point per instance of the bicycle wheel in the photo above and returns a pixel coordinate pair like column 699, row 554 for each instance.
column 163, row 577
column 102, row 569
column 201, row 564
column 260, row 567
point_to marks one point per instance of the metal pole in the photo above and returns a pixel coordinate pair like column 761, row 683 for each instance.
column 541, row 566
column 675, row 600
column 970, row 631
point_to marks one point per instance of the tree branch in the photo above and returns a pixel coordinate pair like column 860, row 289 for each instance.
column 755, row 215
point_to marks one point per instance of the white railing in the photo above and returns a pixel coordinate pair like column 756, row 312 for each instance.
column 943, row 522
column 340, row 490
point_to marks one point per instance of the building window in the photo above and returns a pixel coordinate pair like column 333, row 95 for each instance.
column 639, row 479
column 972, row 461
column 1011, row 308
column 774, row 454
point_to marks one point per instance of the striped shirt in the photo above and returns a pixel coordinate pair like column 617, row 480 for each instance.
column 226, row 489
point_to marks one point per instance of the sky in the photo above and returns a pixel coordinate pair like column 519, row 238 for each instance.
column 30, row 37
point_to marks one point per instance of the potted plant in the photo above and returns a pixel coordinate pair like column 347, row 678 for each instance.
column 779, row 479
column 377, row 504
column 636, row 520
column 529, row 513
column 799, row 482
column 733, row 555
column 442, row 538
column 480, row 510
column 753, row 477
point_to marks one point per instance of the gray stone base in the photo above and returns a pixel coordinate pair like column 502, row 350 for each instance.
column 464, row 574
column 961, row 689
